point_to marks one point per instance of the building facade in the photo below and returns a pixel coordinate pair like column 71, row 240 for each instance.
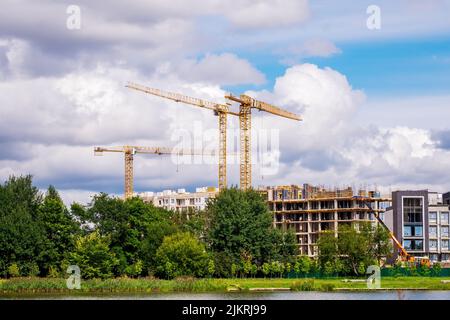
column 308, row 210
column 180, row 200
column 420, row 222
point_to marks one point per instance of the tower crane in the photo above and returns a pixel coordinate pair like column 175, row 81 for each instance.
column 130, row 151
column 222, row 110
column 245, row 111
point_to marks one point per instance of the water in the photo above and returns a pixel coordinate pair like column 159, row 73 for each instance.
column 376, row 295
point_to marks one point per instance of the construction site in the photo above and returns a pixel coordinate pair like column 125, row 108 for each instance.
column 306, row 210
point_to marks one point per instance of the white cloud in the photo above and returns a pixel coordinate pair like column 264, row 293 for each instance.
column 331, row 147
column 223, row 69
column 267, row 14
column 316, row 47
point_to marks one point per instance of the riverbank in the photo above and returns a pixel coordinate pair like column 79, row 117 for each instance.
column 151, row 285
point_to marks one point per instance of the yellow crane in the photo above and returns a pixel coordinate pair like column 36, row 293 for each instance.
column 221, row 110
column 245, row 112
column 130, row 151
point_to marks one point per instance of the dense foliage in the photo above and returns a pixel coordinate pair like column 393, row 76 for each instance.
column 352, row 251
column 111, row 237
column 241, row 233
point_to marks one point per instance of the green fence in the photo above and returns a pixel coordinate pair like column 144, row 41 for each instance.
column 407, row 272
column 385, row 272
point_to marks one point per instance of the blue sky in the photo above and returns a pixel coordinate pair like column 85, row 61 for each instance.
column 387, row 67
column 376, row 103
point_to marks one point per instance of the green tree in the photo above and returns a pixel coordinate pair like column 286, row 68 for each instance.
column 93, row 256
column 239, row 221
column 59, row 230
column 355, row 246
column 266, row 269
column 302, row 265
column 328, row 250
column 379, row 241
column 136, row 229
column 353, row 250
column 186, row 254
column 21, row 233
column 211, row 268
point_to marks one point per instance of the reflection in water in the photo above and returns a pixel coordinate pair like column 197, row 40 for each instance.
column 376, row 295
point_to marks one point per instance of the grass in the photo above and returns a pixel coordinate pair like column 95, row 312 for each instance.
column 149, row 285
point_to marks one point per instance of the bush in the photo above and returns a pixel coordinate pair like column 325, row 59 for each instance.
column 304, row 285
column 327, row 287
column 32, row 270
column 436, row 269
column 93, row 256
column 181, row 254
column 13, row 270
column 53, row 272
column 135, row 269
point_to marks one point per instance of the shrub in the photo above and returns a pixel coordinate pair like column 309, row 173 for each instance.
column 53, row 272
column 93, row 256
column 135, row 269
column 186, row 256
column 33, row 270
column 13, row 270
column 327, row 287
column 436, row 269
column 304, row 285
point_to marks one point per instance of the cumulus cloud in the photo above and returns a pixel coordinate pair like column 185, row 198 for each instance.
column 330, row 147
column 266, row 14
column 222, row 69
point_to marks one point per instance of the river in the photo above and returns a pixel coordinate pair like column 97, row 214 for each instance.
column 308, row 295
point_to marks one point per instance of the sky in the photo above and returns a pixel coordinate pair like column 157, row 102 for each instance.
column 372, row 85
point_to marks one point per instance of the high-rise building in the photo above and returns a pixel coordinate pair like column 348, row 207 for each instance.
column 421, row 223
column 308, row 210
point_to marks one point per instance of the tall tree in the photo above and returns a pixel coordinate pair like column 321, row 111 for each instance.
column 21, row 234
column 240, row 222
column 59, row 230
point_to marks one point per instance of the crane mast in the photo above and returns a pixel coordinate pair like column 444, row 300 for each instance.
column 222, row 110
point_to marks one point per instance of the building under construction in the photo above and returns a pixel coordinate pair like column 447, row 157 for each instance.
column 308, row 210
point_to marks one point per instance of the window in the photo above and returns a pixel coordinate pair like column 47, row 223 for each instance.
column 433, row 244
column 432, row 216
column 444, row 244
column 433, row 231
column 434, row 257
column 418, row 231
column 412, row 231
column 444, row 231
column 407, row 231
column 418, row 245
column 444, row 217
column 413, row 244
column 407, row 244
column 445, row 257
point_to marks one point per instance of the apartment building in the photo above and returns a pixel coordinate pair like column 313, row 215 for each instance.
column 309, row 210
column 180, row 200
column 420, row 221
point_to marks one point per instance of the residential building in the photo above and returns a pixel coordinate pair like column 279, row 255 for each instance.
column 180, row 200
column 309, row 210
column 421, row 223
column 446, row 198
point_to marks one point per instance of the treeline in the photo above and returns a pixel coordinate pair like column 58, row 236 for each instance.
column 110, row 237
